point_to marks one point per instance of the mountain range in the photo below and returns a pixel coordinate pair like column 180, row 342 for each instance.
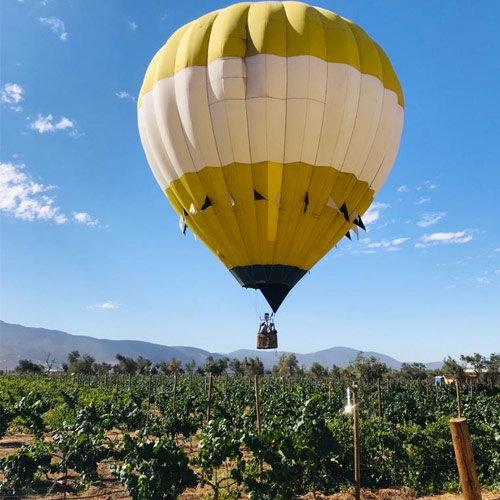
column 22, row 342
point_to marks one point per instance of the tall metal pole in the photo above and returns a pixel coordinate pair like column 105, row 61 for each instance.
column 357, row 453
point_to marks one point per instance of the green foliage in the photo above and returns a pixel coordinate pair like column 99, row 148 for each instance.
column 25, row 467
column 153, row 469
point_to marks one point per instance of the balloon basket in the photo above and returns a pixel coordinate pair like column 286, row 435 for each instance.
column 267, row 341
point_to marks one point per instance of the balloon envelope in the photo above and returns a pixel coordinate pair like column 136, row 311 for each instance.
column 270, row 127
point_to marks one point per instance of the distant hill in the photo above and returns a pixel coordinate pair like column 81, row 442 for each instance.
column 21, row 342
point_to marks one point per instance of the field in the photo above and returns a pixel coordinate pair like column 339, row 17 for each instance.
column 141, row 438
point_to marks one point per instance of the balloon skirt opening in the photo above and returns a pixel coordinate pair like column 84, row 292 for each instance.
column 273, row 280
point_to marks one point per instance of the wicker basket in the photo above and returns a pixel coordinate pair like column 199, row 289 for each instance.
column 267, row 341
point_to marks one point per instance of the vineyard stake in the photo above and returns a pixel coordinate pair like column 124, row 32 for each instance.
column 357, row 454
column 465, row 459
column 459, row 402
column 210, row 388
column 427, row 387
column 330, row 391
column 257, row 403
column 379, row 391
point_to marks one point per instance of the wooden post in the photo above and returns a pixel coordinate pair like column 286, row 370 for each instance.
column 465, row 459
column 437, row 390
column 357, row 454
column 387, row 384
column 257, row 403
column 330, row 391
column 379, row 391
column 225, row 383
column 459, row 402
column 427, row 387
column 210, row 387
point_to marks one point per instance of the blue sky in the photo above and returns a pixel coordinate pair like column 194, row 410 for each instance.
column 89, row 244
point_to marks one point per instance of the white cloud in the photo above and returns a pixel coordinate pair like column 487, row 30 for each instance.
column 422, row 200
column 56, row 25
column 124, row 95
column 483, row 280
column 24, row 198
column 399, row 241
column 373, row 213
column 132, row 25
column 379, row 244
column 12, row 93
column 393, row 249
column 45, row 124
column 497, row 271
column 431, row 218
column 497, row 249
column 105, row 305
column 85, row 218
column 444, row 238
column 64, row 123
column 403, row 189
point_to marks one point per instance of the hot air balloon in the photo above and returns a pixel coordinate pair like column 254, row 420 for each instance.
column 270, row 127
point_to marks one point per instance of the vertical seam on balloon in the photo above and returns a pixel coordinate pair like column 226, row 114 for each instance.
column 359, row 95
column 243, row 245
column 294, row 234
column 395, row 131
column 215, row 223
column 380, row 115
column 313, row 221
column 254, row 205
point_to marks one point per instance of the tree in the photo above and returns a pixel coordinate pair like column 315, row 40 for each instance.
column 236, row 367
column 143, row 365
column 252, row 366
column 493, row 368
column 367, row 370
column 102, row 368
column 73, row 356
column 287, row 365
column 190, row 367
column 477, row 362
column 452, row 368
column 215, row 367
column 318, row 370
column 125, row 365
column 413, row 371
column 175, row 366
column 49, row 362
column 27, row 366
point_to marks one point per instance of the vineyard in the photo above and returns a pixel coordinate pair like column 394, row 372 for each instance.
column 202, row 437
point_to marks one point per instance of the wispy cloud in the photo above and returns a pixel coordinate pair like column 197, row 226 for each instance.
column 105, row 305
column 422, row 200
column 430, row 219
column 373, row 213
column 45, row 124
column 132, row 25
column 56, row 25
column 23, row 198
column 444, row 238
column 85, row 219
column 403, row 189
column 399, row 241
column 124, row 95
column 12, row 94
column 484, row 280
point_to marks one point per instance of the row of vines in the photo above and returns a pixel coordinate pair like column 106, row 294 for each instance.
column 163, row 436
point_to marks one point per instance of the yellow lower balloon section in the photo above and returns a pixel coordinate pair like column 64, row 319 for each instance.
column 269, row 213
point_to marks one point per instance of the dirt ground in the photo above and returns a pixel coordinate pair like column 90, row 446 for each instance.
column 108, row 488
